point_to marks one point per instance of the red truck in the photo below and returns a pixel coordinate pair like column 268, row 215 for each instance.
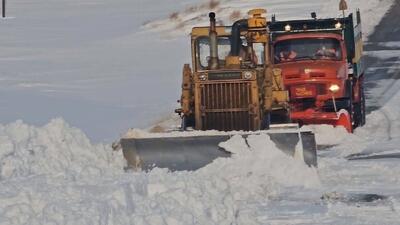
column 322, row 68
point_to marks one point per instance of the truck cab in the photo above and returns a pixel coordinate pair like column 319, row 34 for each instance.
column 321, row 64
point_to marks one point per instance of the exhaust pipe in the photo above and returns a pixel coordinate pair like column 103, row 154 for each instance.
column 237, row 27
column 213, row 64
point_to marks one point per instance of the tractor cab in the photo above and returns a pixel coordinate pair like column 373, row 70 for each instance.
column 232, row 85
column 251, row 55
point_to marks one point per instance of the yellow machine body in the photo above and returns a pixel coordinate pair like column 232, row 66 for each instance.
column 238, row 94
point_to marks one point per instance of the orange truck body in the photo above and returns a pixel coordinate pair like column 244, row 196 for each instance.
column 323, row 89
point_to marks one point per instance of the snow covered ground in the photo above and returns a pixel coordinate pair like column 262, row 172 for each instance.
column 88, row 61
column 95, row 63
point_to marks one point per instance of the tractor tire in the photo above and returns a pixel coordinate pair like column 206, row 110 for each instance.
column 183, row 123
column 266, row 121
column 362, row 111
column 187, row 121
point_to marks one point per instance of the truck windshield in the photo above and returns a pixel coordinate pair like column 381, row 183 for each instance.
column 306, row 49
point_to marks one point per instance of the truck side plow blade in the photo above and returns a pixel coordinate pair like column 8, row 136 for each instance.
column 194, row 152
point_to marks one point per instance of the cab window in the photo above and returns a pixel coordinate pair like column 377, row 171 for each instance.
column 203, row 50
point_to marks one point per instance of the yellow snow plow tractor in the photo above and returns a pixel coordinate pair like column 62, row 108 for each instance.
column 232, row 89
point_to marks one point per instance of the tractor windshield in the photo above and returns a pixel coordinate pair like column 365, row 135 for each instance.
column 306, row 49
column 224, row 48
column 203, row 49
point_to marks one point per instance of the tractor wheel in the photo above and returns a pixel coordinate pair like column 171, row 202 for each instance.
column 266, row 121
column 187, row 121
column 183, row 123
column 279, row 117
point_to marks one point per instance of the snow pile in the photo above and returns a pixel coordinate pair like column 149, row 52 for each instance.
column 216, row 193
column 167, row 123
column 382, row 130
column 380, row 134
column 384, row 124
column 54, row 149
column 53, row 175
column 328, row 135
column 257, row 159
column 381, row 176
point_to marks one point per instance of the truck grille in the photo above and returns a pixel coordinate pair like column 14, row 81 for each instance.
column 225, row 106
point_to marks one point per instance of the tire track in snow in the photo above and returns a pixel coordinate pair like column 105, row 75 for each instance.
column 389, row 125
column 390, row 88
column 386, row 96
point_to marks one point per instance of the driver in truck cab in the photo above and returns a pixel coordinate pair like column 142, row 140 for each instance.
column 325, row 52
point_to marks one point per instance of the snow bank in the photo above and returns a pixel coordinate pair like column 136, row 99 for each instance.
column 327, row 134
column 53, row 175
column 372, row 12
column 54, row 149
column 257, row 159
column 229, row 11
column 380, row 136
column 381, row 133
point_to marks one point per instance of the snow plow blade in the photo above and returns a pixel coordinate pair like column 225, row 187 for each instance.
column 193, row 152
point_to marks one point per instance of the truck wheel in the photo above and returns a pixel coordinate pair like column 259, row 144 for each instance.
column 362, row 106
column 351, row 108
column 359, row 110
column 357, row 115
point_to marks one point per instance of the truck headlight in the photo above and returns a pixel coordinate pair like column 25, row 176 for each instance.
column 247, row 75
column 334, row 88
